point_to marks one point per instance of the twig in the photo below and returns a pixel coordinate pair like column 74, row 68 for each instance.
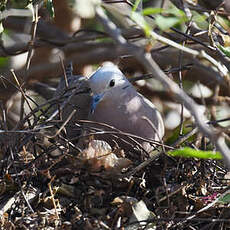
column 63, row 125
column 29, row 57
column 19, row 182
column 118, row 132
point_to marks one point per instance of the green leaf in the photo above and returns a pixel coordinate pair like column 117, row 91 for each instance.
column 165, row 23
column 176, row 132
column 150, row 10
column 225, row 198
column 50, row 8
column 225, row 50
column 189, row 152
column 136, row 5
column 139, row 19
column 173, row 11
column 4, row 61
column 200, row 20
column 176, row 12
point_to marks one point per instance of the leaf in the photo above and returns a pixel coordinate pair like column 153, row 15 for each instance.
column 139, row 19
column 165, row 23
column 136, row 5
column 176, row 131
column 200, row 20
column 225, row 50
column 150, row 10
column 189, row 152
column 225, row 198
column 176, row 12
column 50, row 8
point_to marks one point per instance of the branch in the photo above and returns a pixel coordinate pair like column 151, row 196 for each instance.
column 151, row 66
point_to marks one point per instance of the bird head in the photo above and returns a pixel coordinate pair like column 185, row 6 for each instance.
column 104, row 81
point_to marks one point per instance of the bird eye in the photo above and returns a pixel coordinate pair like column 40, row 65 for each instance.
column 112, row 83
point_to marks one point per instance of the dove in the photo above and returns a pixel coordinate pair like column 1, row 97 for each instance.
column 113, row 101
column 117, row 103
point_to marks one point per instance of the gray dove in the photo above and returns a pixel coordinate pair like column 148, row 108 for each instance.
column 117, row 103
column 113, row 101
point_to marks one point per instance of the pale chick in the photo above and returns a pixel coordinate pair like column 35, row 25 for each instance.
column 117, row 103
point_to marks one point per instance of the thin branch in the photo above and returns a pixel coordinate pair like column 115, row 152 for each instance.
column 146, row 60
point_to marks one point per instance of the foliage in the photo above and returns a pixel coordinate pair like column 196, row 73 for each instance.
column 189, row 152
